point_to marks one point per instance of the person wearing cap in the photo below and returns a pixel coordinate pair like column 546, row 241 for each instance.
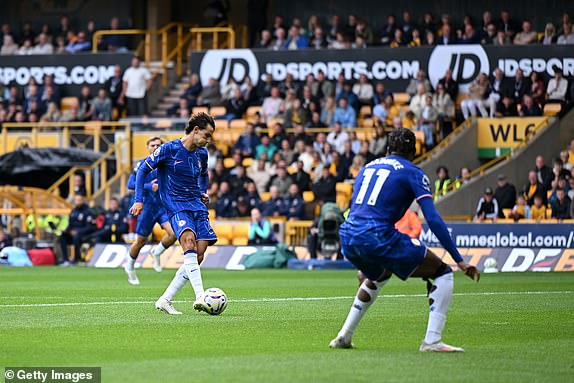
column 487, row 207
column 504, row 194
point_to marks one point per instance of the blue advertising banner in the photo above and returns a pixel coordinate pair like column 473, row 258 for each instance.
column 472, row 235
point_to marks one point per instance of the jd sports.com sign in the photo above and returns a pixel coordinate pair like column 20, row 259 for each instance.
column 394, row 66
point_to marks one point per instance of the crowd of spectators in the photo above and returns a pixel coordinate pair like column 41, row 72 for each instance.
column 547, row 194
column 65, row 38
column 356, row 32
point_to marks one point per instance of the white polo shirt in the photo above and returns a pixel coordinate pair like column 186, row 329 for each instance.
column 136, row 79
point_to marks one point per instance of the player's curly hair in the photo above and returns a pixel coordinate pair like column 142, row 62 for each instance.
column 402, row 142
column 201, row 120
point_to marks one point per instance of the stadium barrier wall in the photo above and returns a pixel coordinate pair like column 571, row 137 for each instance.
column 70, row 72
column 394, row 66
column 497, row 136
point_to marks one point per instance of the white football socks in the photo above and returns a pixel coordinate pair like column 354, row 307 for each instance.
column 131, row 262
column 439, row 300
column 176, row 284
column 193, row 272
column 158, row 250
column 359, row 308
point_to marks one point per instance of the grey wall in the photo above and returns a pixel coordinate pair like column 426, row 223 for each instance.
column 464, row 201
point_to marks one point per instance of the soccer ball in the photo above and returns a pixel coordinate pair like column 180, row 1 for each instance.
column 490, row 265
column 216, row 301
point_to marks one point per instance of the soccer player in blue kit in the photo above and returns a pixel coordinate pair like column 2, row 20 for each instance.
column 384, row 190
column 183, row 180
column 154, row 212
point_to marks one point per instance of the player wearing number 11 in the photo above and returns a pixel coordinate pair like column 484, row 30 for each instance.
column 384, row 190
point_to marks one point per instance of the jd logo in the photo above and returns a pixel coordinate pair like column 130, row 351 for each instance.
column 465, row 61
column 229, row 63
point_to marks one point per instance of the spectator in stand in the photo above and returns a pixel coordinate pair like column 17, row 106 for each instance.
column 506, row 24
column 61, row 45
column 529, row 107
column 533, row 188
column 228, row 90
column 416, row 82
column 101, row 106
column 549, row 37
column 251, row 196
column 561, row 205
column 301, row 178
column 567, row 36
column 85, row 99
column 498, row 88
column 571, row 152
column 26, row 48
column 380, row 113
column 477, row 93
column 418, row 101
column 356, row 166
column 447, row 37
column 272, row 105
column 328, row 112
column 345, row 114
column 52, row 113
column 337, row 137
column 235, row 107
column 351, row 97
column 544, row 173
column 296, row 40
column 527, row 35
column 442, row 182
column 259, row 172
column 388, row 32
column 506, row 107
column 115, row 43
column 463, row 177
column 445, row 107
column 520, row 210
column 325, row 188
column 489, row 36
column 378, row 144
column 136, row 82
column 295, row 115
column 281, row 180
column 501, row 39
column 225, row 203
column 398, row 40
column 557, row 88
column 249, row 92
column 364, row 91
column 115, row 225
column 487, row 207
column 179, row 110
column 520, row 86
column 279, row 42
column 559, row 170
column 505, row 194
column 276, row 205
column 416, row 39
column 364, row 32
column 247, row 142
column 277, row 24
column 470, row 35
column 322, row 89
column 567, row 166
column 260, row 232
column 427, row 122
column 210, row 95
column 450, row 85
column 114, row 86
column 80, row 225
column 318, row 40
column 287, row 152
column 80, row 44
column 193, row 90
column 265, row 41
column 8, row 46
column 239, row 180
column 294, row 204
column 380, row 93
column 538, row 208
column 265, row 147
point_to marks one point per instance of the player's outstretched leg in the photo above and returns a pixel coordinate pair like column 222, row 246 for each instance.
column 366, row 296
column 164, row 302
column 167, row 240
column 133, row 254
column 191, row 263
column 440, row 295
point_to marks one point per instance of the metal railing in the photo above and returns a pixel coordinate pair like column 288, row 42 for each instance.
column 198, row 35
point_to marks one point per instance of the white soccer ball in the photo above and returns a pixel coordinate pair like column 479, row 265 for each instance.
column 216, row 300
column 490, row 265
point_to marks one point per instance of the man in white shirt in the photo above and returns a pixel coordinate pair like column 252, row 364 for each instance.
column 136, row 81
column 338, row 138
column 44, row 47
column 557, row 87
column 272, row 105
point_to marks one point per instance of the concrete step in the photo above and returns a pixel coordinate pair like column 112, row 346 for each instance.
column 170, row 100
column 176, row 92
column 163, row 106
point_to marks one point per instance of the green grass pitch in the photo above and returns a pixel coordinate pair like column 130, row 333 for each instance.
column 509, row 336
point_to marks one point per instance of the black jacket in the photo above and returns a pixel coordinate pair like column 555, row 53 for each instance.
column 325, row 189
column 506, row 197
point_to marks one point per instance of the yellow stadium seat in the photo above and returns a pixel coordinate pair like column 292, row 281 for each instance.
column 158, row 232
column 164, row 124
column 527, row 220
column 506, row 212
column 200, row 109
column 238, row 124
column 365, row 111
column 251, row 111
column 552, row 109
column 265, row 196
column 224, row 232
column 217, row 110
column 67, row 102
column 211, row 213
column 273, row 121
column 221, row 124
column 401, row 98
column 308, row 196
column 368, row 123
column 240, row 234
column 247, row 162
column 228, row 162
column 505, row 220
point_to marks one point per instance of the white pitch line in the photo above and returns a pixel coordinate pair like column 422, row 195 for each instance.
column 289, row 299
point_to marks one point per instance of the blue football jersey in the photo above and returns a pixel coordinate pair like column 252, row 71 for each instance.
column 383, row 191
column 182, row 176
column 150, row 198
